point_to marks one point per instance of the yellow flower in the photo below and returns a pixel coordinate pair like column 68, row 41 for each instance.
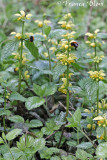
column 46, row 22
column 63, row 23
column 46, row 54
column 87, row 42
column 22, row 16
column 40, row 23
column 96, row 31
column 69, row 35
column 16, row 55
column 89, row 126
column 93, row 45
column 90, row 35
column 28, row 34
column 63, row 88
column 16, row 35
column 67, row 16
column 65, row 60
column 17, row 68
column 91, row 55
column 53, row 49
column 28, row 16
column 87, row 110
column 97, row 75
column 26, row 75
column 93, row 126
column 102, row 121
column 98, row 59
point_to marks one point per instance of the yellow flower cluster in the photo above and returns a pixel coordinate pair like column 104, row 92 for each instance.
column 66, row 60
column 97, row 75
column 91, row 55
column 41, row 23
column 26, row 75
column 102, row 121
column 98, row 59
column 66, row 23
column 69, row 35
column 64, row 44
column 7, row 95
column 17, row 56
column 92, row 35
column 53, row 49
column 16, row 35
column 102, row 105
column 23, row 16
column 63, row 88
column 19, row 36
column 91, row 126
column 67, row 16
column 64, row 75
column 101, row 137
column 53, row 42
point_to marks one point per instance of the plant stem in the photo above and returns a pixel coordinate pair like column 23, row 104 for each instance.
column 49, row 58
column 61, row 136
column 67, row 98
column 77, row 136
column 98, row 91
column 4, row 125
column 95, row 53
column 20, row 61
column 97, row 68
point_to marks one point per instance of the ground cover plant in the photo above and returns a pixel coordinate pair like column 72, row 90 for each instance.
column 53, row 80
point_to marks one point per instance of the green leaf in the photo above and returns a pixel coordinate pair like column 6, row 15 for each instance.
column 25, row 142
column 58, row 70
column 68, row 157
column 75, row 119
column 15, row 153
column 51, row 126
column 13, row 134
column 8, row 48
column 50, row 89
column 83, row 155
column 3, row 136
column 100, row 131
column 45, row 90
column 47, row 29
column 34, row 102
column 38, row 38
column 101, row 150
column 39, row 90
column 55, row 158
column 72, row 143
column 17, row 96
column 77, row 116
column 47, row 152
column 57, row 33
column 39, row 144
column 34, row 123
column 1, row 140
column 102, row 35
column 6, row 112
column 88, row 89
column 32, row 48
column 16, row 119
column 85, row 145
